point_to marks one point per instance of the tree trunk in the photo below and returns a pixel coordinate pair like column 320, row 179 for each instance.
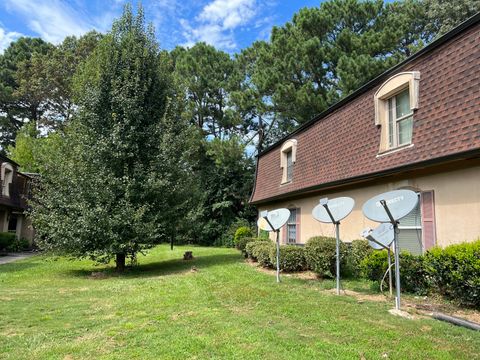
column 120, row 261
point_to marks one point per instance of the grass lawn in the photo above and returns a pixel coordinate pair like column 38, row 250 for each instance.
column 51, row 308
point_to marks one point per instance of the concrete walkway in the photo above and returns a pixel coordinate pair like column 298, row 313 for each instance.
column 15, row 257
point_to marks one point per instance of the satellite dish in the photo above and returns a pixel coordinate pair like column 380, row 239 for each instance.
column 277, row 219
column 339, row 207
column 381, row 237
column 399, row 202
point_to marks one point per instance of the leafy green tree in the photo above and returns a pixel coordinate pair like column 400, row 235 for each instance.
column 444, row 15
column 202, row 73
column 31, row 151
column 17, row 108
column 119, row 177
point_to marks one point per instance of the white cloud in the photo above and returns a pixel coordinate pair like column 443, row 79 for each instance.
column 53, row 20
column 6, row 38
column 217, row 21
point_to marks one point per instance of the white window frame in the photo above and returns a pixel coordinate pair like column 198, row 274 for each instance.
column 390, row 88
column 392, row 105
column 289, row 146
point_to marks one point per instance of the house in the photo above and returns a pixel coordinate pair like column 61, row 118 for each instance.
column 15, row 189
column 416, row 126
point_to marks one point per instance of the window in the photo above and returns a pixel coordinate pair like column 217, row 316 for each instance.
column 400, row 120
column 292, row 227
column 395, row 102
column 289, row 166
column 7, row 178
column 410, row 235
column 288, row 155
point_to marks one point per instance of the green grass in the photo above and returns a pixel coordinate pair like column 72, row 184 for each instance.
column 51, row 308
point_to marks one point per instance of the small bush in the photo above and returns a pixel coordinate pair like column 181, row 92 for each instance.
column 413, row 277
column 455, row 272
column 6, row 240
column 292, row 258
column 243, row 232
column 358, row 250
column 227, row 237
column 249, row 248
column 320, row 254
column 373, row 266
column 261, row 252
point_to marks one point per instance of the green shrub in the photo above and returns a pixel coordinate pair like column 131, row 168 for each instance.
column 413, row 277
column 6, row 240
column 374, row 265
column 455, row 272
column 292, row 258
column 261, row 252
column 357, row 251
column 242, row 233
column 227, row 237
column 320, row 254
column 249, row 248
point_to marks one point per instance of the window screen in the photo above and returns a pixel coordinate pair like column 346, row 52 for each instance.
column 410, row 236
column 289, row 166
column 292, row 227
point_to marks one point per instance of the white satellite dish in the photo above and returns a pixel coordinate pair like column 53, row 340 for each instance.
column 383, row 236
column 332, row 211
column 399, row 202
column 277, row 219
column 339, row 208
column 273, row 221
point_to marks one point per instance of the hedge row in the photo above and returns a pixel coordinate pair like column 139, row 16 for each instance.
column 453, row 271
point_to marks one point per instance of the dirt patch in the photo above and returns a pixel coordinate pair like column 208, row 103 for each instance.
column 98, row 275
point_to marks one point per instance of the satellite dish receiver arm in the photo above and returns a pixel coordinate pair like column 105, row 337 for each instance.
column 389, row 214
column 264, row 214
column 325, row 205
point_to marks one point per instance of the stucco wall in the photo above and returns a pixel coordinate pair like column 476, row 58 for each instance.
column 457, row 207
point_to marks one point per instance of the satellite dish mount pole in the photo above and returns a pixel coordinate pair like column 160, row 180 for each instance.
column 397, row 253
column 277, row 231
column 337, row 233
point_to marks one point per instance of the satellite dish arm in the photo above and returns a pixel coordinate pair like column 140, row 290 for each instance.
column 330, row 214
column 270, row 224
column 389, row 214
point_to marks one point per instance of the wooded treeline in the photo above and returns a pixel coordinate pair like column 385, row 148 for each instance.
column 213, row 111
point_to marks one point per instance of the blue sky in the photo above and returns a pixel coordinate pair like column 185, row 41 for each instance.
column 229, row 25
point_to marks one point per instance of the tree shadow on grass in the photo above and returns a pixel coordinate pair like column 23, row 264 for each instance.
column 160, row 268
column 18, row 265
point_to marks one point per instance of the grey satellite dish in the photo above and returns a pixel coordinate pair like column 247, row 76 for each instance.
column 276, row 218
column 339, row 208
column 383, row 235
column 399, row 202
column 381, row 238
column 273, row 221
column 390, row 207
column 332, row 211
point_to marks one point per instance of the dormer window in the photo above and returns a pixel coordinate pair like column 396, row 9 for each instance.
column 395, row 102
column 7, row 178
column 288, row 155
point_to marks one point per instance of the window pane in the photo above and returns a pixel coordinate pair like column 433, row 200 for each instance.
column 289, row 166
column 292, row 226
column 405, row 128
column 414, row 218
column 390, row 123
column 403, row 104
column 410, row 240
